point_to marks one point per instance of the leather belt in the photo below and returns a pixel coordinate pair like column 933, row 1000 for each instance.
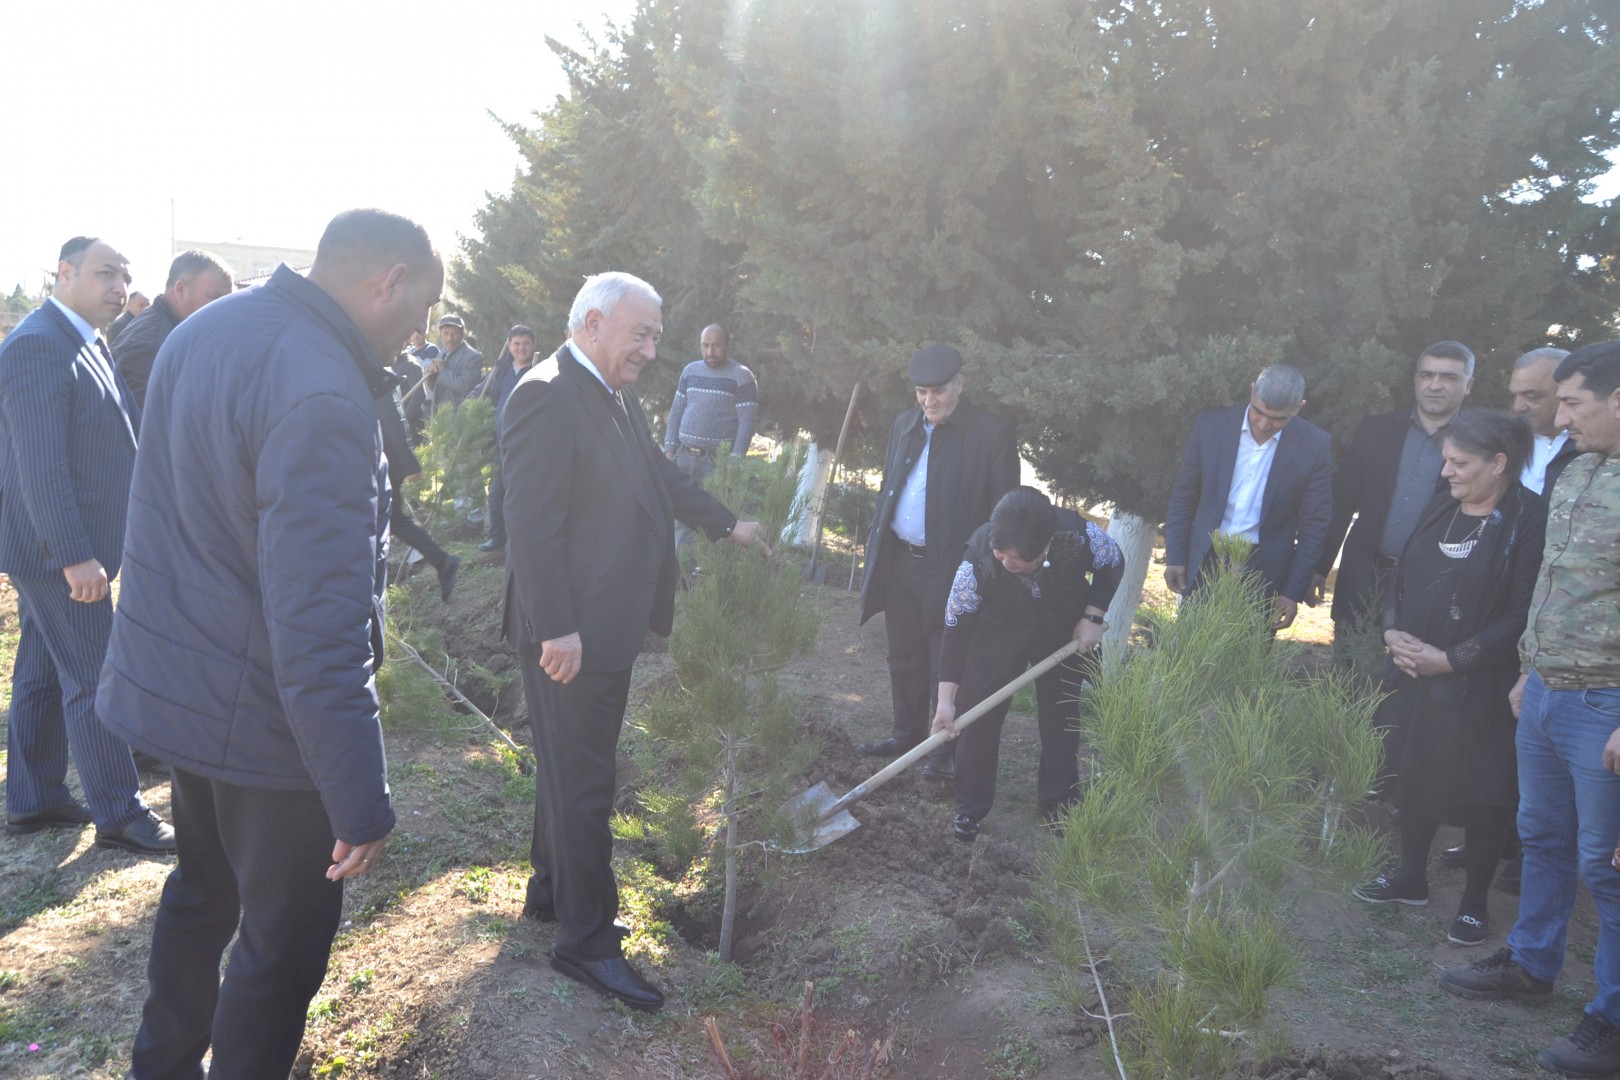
column 916, row 551
column 697, row 451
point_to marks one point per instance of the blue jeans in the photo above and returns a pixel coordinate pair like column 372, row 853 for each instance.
column 1569, row 821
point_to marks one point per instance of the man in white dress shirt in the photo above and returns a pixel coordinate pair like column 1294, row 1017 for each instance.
column 1535, row 397
column 1260, row 472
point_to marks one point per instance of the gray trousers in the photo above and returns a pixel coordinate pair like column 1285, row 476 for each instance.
column 699, row 467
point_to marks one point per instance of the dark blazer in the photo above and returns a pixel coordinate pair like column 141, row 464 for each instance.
column 137, row 347
column 972, row 463
column 249, row 628
column 591, row 517
column 1294, row 511
column 1362, row 488
column 1555, row 468
column 67, row 448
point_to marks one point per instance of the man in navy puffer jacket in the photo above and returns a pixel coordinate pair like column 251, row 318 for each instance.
column 249, row 629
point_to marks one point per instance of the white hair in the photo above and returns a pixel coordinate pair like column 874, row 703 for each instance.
column 602, row 292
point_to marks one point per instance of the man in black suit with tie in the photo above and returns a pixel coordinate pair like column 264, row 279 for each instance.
column 591, row 505
column 67, row 447
column 1260, row 472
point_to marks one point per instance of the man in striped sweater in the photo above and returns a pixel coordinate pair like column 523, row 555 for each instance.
column 715, row 407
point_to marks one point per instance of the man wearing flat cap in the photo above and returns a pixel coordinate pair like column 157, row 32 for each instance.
column 451, row 377
column 948, row 462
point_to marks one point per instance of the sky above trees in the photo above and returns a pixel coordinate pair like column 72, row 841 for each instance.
column 261, row 121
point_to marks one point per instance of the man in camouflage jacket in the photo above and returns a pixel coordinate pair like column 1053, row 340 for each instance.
column 1567, row 700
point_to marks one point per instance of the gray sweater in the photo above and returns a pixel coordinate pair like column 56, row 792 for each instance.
column 713, row 408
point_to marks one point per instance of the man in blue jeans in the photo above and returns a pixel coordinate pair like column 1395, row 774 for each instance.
column 1568, row 704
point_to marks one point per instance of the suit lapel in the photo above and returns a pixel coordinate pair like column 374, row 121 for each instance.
column 1226, row 459
column 1279, row 461
column 100, row 371
column 600, row 407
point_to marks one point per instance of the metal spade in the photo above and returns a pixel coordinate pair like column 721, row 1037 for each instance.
column 824, row 816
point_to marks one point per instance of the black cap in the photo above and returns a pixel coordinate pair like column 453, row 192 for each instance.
column 934, row 365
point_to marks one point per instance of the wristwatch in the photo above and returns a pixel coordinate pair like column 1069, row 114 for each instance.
column 1098, row 619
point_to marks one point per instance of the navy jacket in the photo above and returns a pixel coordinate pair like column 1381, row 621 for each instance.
column 249, row 626
column 1294, row 511
column 67, row 446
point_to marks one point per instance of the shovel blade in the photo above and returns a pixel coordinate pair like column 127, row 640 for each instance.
column 806, row 808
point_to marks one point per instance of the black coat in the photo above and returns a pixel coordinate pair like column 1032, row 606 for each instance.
column 1362, row 488
column 1458, row 729
column 972, row 463
column 590, row 517
column 137, row 347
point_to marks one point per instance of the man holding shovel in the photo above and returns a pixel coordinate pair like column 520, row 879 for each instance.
column 1032, row 578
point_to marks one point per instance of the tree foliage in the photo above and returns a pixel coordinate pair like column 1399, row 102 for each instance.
column 1119, row 210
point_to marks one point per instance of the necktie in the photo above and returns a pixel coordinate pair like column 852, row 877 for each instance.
column 108, row 375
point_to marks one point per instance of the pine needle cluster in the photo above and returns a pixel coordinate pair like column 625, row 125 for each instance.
column 1220, row 790
column 730, row 729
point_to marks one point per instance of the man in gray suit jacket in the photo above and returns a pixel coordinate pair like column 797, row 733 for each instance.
column 1260, row 472
column 67, row 446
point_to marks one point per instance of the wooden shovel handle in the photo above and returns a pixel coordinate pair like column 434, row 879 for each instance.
column 906, row 760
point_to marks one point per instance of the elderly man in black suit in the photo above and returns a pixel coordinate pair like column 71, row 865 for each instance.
column 1260, row 472
column 67, row 448
column 948, row 462
column 1389, row 475
column 591, row 505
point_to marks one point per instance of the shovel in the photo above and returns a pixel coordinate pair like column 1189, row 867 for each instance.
column 827, row 816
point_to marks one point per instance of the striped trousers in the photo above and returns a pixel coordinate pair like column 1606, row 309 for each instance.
column 53, row 698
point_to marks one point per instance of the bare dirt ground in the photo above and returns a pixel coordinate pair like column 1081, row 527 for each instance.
column 924, row 956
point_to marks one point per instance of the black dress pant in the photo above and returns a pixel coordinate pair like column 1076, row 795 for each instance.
column 978, row 749
column 914, row 634
column 575, row 727
column 252, row 857
column 403, row 526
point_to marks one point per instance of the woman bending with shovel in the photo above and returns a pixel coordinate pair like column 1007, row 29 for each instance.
column 1032, row 578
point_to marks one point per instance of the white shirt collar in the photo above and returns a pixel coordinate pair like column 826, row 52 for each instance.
column 585, row 362
column 1245, row 431
column 86, row 331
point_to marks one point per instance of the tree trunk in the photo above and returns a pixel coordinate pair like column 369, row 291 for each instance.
column 811, row 496
column 728, row 912
column 1135, row 539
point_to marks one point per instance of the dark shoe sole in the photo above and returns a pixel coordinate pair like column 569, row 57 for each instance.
column 1496, row 995
column 130, row 845
column 1359, row 895
column 29, row 830
column 939, row 776
column 578, row 974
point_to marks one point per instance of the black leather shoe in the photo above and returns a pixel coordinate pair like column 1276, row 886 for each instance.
column 893, row 746
column 69, row 816
column 447, row 577
column 1454, row 856
column 965, row 828
column 614, row 978
column 941, row 769
column 146, row 835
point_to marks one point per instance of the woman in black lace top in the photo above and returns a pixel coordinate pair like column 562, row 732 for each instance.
column 1452, row 615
